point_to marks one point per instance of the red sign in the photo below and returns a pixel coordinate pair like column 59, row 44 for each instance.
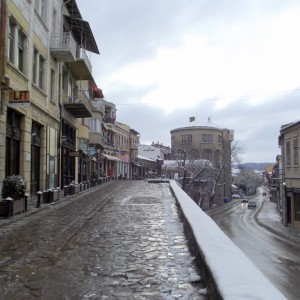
column 19, row 97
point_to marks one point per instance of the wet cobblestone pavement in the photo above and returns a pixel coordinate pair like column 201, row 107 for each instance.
column 121, row 241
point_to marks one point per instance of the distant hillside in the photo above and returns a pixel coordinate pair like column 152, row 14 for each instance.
column 257, row 166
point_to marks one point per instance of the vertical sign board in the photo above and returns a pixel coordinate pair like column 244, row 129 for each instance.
column 19, row 97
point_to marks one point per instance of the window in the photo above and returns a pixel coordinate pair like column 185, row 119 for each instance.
column 38, row 69
column 207, row 154
column 52, row 86
column 220, row 139
column 21, row 53
column 288, row 152
column 54, row 22
column 41, row 72
column 295, row 151
column 217, row 156
column 41, row 9
column 16, row 45
column 94, row 125
column 11, row 41
column 207, row 138
column 70, row 90
column 186, row 138
column 34, row 66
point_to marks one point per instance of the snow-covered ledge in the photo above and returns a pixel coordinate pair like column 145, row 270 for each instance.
column 232, row 274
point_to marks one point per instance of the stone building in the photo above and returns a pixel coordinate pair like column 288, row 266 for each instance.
column 288, row 183
column 211, row 142
column 134, row 145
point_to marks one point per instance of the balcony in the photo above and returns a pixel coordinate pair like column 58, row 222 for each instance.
column 78, row 104
column 81, row 69
column 63, row 48
column 96, row 138
column 98, row 106
column 108, row 119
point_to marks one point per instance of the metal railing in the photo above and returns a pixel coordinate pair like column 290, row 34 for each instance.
column 78, row 96
column 63, row 42
column 81, row 54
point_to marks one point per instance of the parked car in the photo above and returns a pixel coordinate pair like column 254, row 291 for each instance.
column 252, row 204
column 236, row 196
column 264, row 194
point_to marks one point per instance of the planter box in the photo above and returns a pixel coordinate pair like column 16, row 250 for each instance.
column 54, row 195
column 4, row 208
column 76, row 189
column 17, row 206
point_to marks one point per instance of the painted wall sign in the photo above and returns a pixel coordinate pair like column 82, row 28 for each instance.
column 19, row 97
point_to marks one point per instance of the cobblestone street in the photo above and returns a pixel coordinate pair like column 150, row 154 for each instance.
column 123, row 240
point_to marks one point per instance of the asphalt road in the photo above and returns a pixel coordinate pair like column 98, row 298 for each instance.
column 277, row 258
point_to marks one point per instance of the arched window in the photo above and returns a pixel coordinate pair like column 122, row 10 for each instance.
column 207, row 154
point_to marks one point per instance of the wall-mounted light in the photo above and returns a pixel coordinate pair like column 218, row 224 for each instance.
column 63, row 138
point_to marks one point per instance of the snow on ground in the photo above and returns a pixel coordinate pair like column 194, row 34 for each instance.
column 235, row 275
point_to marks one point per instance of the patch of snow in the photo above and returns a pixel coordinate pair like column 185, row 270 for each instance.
column 235, row 275
column 203, row 291
column 195, row 277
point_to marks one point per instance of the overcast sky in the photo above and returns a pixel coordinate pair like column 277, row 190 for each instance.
column 163, row 61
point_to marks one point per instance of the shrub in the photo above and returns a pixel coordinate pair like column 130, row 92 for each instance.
column 14, row 187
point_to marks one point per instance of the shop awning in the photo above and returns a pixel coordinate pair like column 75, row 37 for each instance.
column 82, row 33
column 97, row 93
column 136, row 164
column 107, row 126
column 110, row 157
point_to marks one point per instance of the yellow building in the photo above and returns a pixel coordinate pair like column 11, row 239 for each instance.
column 209, row 142
column 45, row 75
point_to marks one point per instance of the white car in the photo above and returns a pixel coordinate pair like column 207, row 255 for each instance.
column 236, row 196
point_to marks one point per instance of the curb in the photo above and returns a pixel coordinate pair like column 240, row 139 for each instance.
column 63, row 201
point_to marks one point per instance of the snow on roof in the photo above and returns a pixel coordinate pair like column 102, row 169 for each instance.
column 235, row 275
column 144, row 158
column 175, row 163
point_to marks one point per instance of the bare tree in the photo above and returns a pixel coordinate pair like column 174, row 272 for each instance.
column 215, row 171
column 185, row 158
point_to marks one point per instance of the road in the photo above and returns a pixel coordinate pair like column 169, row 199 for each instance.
column 124, row 240
column 277, row 258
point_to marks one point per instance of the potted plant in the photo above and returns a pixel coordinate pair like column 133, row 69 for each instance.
column 13, row 187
